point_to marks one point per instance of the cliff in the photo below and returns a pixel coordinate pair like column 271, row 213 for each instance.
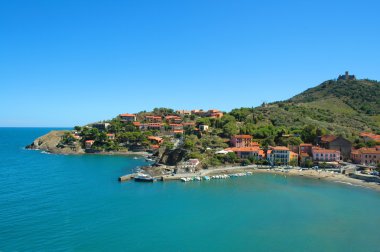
column 50, row 143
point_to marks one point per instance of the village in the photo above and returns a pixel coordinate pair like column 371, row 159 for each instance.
column 165, row 132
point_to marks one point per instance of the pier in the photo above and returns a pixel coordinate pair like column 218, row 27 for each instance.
column 127, row 177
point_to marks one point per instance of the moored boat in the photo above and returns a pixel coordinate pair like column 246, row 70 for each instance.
column 144, row 178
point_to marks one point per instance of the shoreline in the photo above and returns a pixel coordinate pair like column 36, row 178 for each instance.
column 313, row 174
column 111, row 153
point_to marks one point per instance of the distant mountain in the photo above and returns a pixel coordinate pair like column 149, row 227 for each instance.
column 343, row 107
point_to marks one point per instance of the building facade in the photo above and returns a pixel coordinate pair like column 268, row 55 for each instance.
column 241, row 140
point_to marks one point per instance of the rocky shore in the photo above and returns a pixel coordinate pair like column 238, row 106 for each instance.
column 50, row 143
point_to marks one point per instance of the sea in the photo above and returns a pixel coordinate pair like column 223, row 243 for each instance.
column 75, row 203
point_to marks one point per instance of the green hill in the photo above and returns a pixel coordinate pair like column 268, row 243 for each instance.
column 339, row 107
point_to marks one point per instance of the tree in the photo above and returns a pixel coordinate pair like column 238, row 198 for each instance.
column 231, row 157
column 308, row 163
column 293, row 162
column 230, row 129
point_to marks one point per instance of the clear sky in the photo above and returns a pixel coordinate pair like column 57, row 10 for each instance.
column 66, row 63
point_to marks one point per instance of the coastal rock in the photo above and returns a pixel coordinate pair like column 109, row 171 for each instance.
column 172, row 157
column 50, row 141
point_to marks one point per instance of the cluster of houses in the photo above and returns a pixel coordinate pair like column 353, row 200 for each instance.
column 171, row 123
column 244, row 148
column 328, row 149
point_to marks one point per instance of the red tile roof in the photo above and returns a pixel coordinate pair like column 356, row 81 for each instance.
column 280, row 148
column 158, row 139
column 367, row 151
column 328, row 138
column 128, row 115
column 322, row 150
column 306, row 144
column 243, row 149
column 242, row 136
column 371, row 136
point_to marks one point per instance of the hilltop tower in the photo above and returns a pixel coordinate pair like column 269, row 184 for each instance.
column 346, row 76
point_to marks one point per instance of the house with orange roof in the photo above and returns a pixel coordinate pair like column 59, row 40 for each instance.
column 153, row 119
column 176, row 128
column 325, row 155
column 367, row 136
column 88, row 144
column 188, row 124
column 110, row 136
column 214, row 113
column 151, row 126
column 154, row 126
column 128, row 117
column 366, row 156
column 241, row 140
column 173, row 119
column 247, row 152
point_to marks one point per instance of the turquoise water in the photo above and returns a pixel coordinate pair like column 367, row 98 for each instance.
column 71, row 203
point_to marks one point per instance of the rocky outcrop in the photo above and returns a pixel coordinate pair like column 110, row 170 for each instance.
column 172, row 157
column 50, row 143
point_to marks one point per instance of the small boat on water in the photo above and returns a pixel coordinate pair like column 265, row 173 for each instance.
column 149, row 160
column 144, row 178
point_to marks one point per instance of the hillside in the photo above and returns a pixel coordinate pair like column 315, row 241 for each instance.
column 339, row 107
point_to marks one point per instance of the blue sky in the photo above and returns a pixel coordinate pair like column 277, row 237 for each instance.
column 65, row 63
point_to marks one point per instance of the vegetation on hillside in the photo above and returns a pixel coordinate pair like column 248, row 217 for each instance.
column 342, row 108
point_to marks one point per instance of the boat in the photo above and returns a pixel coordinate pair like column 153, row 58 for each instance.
column 206, row 177
column 144, row 178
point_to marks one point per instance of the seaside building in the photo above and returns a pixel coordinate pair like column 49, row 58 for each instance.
column 128, row 117
column 325, row 155
column 336, row 143
column 241, row 140
column 366, row 156
column 246, row 152
column 281, row 155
